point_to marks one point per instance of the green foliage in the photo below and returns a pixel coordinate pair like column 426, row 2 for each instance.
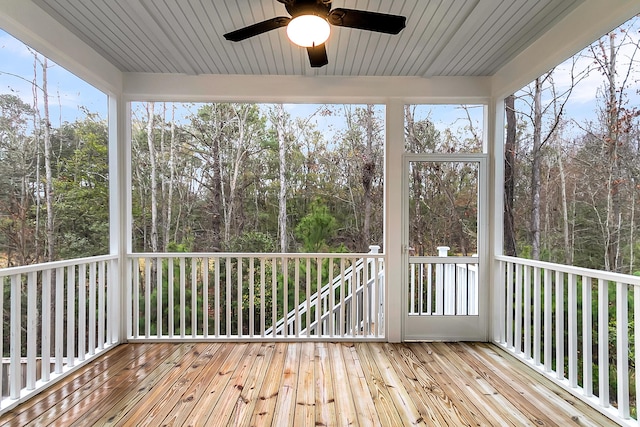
column 316, row 228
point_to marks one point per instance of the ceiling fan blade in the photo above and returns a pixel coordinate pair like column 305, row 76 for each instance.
column 364, row 20
column 318, row 56
column 256, row 29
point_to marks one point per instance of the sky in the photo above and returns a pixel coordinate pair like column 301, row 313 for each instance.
column 69, row 93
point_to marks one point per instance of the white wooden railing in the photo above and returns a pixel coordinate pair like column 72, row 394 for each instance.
column 576, row 326
column 56, row 317
column 443, row 285
column 234, row 296
column 360, row 312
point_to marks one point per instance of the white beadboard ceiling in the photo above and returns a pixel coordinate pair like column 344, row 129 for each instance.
column 442, row 37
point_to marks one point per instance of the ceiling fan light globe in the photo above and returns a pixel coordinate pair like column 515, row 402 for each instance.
column 308, row 30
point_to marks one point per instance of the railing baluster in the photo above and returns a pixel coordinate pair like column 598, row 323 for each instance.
column 537, row 331
column 343, row 326
column 573, row 330
column 587, row 338
column 159, row 307
column 622, row 341
column 194, row 297
column 308, row 297
column 603, row 342
column 412, row 290
column 559, row 325
column 71, row 315
column 296, row 297
column 136, row 297
column 332, row 297
column 318, row 287
column 263, row 306
column 252, row 307
column 82, row 311
column 548, row 317
column 228, row 297
column 509, row 314
column 59, row 328
column 15, row 368
column 32, row 325
column 147, row 297
column 92, row 308
column 518, row 320
column 636, row 340
column 239, row 296
column 2, row 324
column 183, row 297
column 217, row 297
column 205, row 297
column 354, row 300
column 170, row 298
column 45, row 345
column 101, row 304
column 274, row 296
column 527, row 312
column 365, row 298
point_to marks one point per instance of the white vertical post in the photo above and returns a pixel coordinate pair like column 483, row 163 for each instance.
column 136, row 296
column 263, row 306
column 308, row 299
column 217, row 297
column 342, row 330
column 101, row 304
column 228, row 295
column 296, row 298
column 393, row 192
column 120, row 216
column 274, row 297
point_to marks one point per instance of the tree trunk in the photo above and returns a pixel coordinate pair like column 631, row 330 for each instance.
column 535, row 170
column 172, row 174
column 282, row 197
column 216, row 190
column 47, row 165
column 368, row 173
column 565, row 211
column 509, row 230
column 153, row 177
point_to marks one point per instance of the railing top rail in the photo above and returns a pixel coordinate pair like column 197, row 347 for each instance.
column 9, row 271
column 596, row 274
column 252, row 255
column 443, row 260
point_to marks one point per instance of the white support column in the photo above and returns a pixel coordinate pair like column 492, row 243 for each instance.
column 394, row 148
column 119, row 208
column 495, row 138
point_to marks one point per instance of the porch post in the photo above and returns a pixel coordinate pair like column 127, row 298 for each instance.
column 394, row 148
column 496, row 137
column 119, row 202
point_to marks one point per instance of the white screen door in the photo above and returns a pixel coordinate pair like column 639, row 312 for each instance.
column 445, row 231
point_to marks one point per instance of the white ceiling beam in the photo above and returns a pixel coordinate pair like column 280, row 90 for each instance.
column 303, row 89
column 584, row 25
column 31, row 25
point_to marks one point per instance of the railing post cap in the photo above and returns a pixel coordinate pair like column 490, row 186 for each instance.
column 443, row 250
column 374, row 249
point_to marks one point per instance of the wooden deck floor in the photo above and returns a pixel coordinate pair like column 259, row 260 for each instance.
column 304, row 384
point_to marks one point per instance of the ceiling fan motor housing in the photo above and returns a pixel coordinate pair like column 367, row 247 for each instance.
column 308, row 7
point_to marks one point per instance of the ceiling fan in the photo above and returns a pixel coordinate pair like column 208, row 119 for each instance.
column 309, row 26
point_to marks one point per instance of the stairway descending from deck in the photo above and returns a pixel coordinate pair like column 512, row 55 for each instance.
column 356, row 308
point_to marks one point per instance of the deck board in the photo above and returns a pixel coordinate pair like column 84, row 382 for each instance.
column 279, row 384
